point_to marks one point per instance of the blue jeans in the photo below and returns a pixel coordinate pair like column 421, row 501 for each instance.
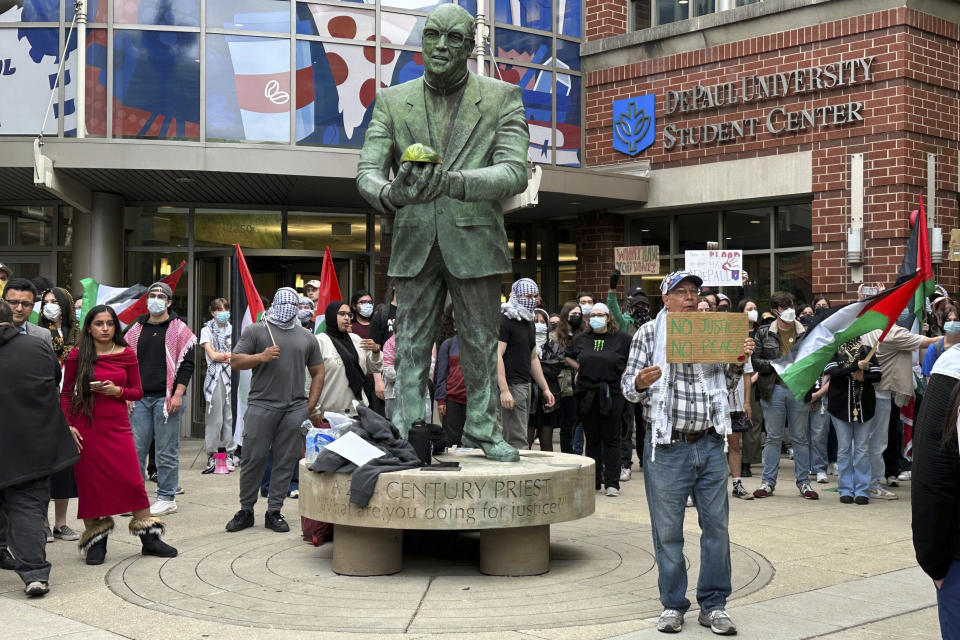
column 782, row 412
column 148, row 424
column 853, row 462
column 682, row 469
column 948, row 603
column 578, row 438
column 878, row 436
column 818, row 432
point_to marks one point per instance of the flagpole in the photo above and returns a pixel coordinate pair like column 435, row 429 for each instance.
column 267, row 325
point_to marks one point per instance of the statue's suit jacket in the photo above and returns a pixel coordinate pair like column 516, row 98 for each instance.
column 488, row 145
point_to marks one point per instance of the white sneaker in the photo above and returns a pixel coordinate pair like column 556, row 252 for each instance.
column 892, row 481
column 905, row 476
column 833, row 469
column 822, row 477
column 882, row 494
column 161, row 507
column 612, row 492
column 230, row 465
column 690, row 501
column 670, row 621
column 625, row 474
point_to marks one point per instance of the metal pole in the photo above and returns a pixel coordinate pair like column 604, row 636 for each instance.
column 483, row 32
column 81, row 79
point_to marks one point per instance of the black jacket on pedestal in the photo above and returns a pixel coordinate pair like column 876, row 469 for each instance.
column 34, row 438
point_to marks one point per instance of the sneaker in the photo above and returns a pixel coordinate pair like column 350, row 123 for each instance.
column 822, row 477
column 740, row 492
column 670, row 621
column 65, row 533
column 882, row 494
column 892, row 481
column 612, row 492
column 718, row 621
column 833, row 469
column 763, row 491
column 807, row 492
column 862, row 500
column 275, row 521
column 690, row 502
column 152, row 477
column 49, row 532
column 625, row 474
column 846, row 499
column 235, row 458
column 36, row 588
column 211, row 465
column 905, row 476
column 241, row 520
column 162, row 507
column 230, row 465
column 180, row 491
column 790, row 453
column 295, row 494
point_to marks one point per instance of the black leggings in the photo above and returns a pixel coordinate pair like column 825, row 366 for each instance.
column 602, row 439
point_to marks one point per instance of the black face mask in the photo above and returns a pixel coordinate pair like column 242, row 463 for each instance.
column 640, row 315
column 574, row 321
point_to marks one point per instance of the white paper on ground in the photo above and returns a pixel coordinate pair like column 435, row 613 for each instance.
column 355, row 449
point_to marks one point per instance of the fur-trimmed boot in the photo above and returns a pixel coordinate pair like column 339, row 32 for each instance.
column 150, row 530
column 93, row 540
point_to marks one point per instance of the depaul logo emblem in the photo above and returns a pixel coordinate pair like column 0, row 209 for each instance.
column 634, row 124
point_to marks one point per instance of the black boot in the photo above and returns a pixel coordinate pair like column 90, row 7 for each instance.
column 149, row 530
column 745, row 471
column 93, row 541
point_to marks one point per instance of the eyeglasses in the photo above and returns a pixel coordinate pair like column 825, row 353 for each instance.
column 20, row 303
column 454, row 38
column 686, row 292
column 344, row 314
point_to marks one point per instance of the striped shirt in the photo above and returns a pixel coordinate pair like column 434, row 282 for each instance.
column 690, row 410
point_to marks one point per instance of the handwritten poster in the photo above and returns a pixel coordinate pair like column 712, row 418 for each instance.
column 717, row 267
column 706, row 337
column 637, row 261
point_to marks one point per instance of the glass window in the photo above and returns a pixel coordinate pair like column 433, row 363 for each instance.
column 341, row 88
column 757, row 288
column 470, row 5
column 32, row 226
column 537, row 99
column 30, row 11
column 316, row 231
column 336, row 21
column 794, row 275
column 408, row 66
column 65, row 268
column 794, row 226
column 533, row 14
column 249, row 229
column 250, row 15
column 670, row 11
column 641, row 14
column 401, row 28
column 156, row 84
column 523, row 47
column 96, row 115
column 248, row 88
column 747, row 228
column 568, row 55
column 421, row 5
column 566, row 283
column 568, row 120
column 183, row 13
column 694, row 231
column 66, row 227
column 155, row 226
column 96, row 11
column 29, row 57
column 703, row 7
column 6, row 226
column 570, row 18
column 652, row 230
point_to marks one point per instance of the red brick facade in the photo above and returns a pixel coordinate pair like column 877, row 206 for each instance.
column 598, row 232
column 911, row 107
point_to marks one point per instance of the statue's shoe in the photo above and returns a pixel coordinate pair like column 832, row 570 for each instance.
column 501, row 452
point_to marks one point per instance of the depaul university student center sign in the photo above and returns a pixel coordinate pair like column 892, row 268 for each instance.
column 759, row 88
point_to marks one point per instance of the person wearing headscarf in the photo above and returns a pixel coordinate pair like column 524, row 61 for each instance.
column 56, row 315
column 280, row 353
column 347, row 360
column 306, row 312
column 518, row 362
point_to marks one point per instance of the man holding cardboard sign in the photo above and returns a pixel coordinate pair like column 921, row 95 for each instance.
column 690, row 414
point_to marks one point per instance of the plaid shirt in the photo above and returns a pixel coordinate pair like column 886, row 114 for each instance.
column 690, row 411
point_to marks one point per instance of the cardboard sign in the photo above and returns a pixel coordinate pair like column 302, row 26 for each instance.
column 637, row 261
column 954, row 255
column 717, row 267
column 706, row 337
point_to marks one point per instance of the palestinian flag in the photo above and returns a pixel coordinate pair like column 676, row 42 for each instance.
column 139, row 306
column 801, row 367
column 119, row 298
column 329, row 291
column 917, row 258
column 246, row 308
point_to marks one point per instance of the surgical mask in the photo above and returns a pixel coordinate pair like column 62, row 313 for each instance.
column 304, row 316
column 752, row 315
column 585, row 308
column 541, row 328
column 952, row 327
column 223, row 317
column 788, row 315
column 598, row 324
column 51, row 311
column 366, row 309
column 78, row 314
column 574, row 321
column 156, row 306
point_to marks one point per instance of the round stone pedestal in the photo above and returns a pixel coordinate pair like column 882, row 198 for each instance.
column 512, row 504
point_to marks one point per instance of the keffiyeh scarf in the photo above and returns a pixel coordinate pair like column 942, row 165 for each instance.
column 218, row 370
column 517, row 307
column 283, row 311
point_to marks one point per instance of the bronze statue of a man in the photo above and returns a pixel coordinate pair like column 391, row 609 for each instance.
column 448, row 229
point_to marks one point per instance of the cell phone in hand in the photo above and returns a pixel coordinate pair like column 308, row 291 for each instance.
column 870, row 291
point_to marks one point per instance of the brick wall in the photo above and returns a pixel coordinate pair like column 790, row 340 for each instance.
column 598, row 234
column 605, row 18
column 911, row 108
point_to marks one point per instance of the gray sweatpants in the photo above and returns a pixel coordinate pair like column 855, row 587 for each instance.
column 219, row 429
column 263, row 428
column 515, row 420
column 24, row 506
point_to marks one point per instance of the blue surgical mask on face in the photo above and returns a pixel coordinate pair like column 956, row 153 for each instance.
column 540, row 327
column 223, row 317
column 585, row 308
column 952, row 327
column 598, row 324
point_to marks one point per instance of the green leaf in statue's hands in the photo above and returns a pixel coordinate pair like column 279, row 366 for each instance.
column 421, row 153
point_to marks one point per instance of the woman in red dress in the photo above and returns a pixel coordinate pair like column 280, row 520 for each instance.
column 100, row 376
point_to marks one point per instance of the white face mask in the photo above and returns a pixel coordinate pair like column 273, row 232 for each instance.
column 752, row 315
column 788, row 315
column 51, row 311
column 366, row 309
column 156, row 306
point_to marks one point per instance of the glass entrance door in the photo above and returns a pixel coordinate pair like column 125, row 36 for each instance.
column 30, row 266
